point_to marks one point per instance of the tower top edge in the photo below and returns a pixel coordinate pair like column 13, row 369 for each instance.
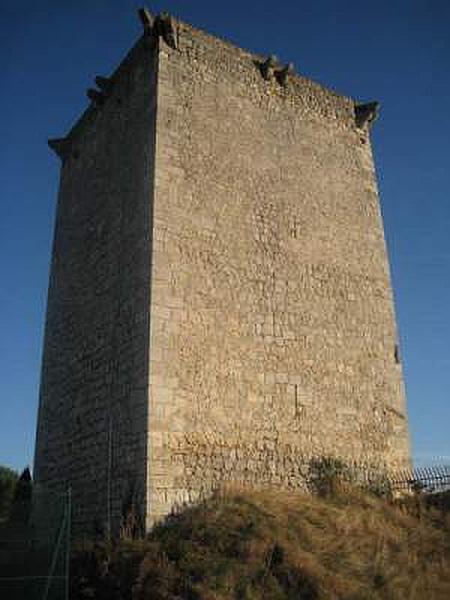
column 168, row 32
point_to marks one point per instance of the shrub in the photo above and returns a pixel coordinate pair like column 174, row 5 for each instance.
column 8, row 479
column 327, row 475
column 21, row 502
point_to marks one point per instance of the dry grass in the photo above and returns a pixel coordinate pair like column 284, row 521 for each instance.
column 279, row 545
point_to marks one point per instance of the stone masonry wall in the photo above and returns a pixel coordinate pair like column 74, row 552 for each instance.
column 93, row 402
column 272, row 325
column 219, row 305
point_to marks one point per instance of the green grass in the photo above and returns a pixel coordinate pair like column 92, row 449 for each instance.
column 279, row 545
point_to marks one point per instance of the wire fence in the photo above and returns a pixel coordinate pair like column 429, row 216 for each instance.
column 323, row 472
column 35, row 549
column 422, row 479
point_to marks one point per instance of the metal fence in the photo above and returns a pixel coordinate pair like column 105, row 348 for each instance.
column 35, row 550
column 323, row 471
column 422, row 479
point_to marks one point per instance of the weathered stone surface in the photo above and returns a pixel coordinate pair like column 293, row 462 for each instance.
column 92, row 428
column 270, row 264
column 220, row 305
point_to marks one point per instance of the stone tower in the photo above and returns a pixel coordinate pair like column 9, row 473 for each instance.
column 219, row 303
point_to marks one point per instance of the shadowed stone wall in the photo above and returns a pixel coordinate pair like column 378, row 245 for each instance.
column 93, row 404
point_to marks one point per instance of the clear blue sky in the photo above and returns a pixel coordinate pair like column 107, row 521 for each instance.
column 397, row 52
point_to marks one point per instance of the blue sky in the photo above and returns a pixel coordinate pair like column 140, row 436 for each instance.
column 397, row 52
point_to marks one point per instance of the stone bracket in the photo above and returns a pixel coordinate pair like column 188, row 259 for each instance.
column 105, row 84
column 366, row 113
column 165, row 28
column 60, row 146
column 98, row 98
column 270, row 68
column 283, row 74
column 160, row 26
column 146, row 20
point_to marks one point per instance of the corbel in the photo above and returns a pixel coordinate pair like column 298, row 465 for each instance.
column 366, row 113
column 104, row 84
column 284, row 73
column 268, row 67
column 165, row 28
column 60, row 146
column 98, row 98
column 146, row 20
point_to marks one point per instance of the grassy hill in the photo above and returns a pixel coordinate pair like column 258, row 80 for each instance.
column 279, row 545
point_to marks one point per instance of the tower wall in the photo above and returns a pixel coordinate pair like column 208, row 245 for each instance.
column 220, row 306
column 272, row 326
column 92, row 429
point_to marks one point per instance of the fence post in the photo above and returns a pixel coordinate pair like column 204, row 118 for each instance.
column 69, row 521
column 55, row 554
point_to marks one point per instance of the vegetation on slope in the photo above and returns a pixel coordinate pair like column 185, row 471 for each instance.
column 8, row 480
column 279, row 545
